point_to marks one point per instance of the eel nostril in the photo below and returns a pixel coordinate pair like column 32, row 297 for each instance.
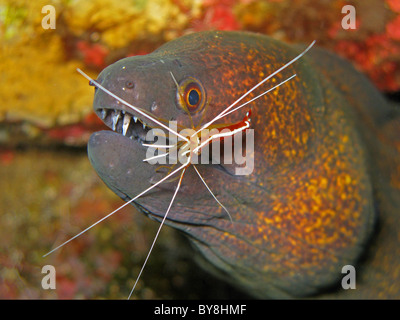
column 129, row 84
column 92, row 83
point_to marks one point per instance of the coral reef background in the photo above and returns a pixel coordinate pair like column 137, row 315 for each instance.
column 49, row 191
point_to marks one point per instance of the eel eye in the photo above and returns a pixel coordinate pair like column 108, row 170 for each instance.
column 192, row 98
column 191, row 95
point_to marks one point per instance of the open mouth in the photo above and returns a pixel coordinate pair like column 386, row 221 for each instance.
column 124, row 123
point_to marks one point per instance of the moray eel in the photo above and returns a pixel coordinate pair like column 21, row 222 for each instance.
column 325, row 189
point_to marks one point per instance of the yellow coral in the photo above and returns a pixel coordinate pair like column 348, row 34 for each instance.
column 121, row 22
column 24, row 17
column 37, row 85
column 100, row 15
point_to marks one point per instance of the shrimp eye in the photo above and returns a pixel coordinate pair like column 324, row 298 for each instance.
column 191, row 95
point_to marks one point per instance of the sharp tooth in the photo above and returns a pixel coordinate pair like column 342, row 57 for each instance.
column 144, row 126
column 115, row 119
column 125, row 126
column 135, row 119
column 103, row 113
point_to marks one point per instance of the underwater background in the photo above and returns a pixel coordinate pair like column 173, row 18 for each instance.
column 50, row 192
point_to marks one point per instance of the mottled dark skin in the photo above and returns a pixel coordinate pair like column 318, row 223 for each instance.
column 325, row 190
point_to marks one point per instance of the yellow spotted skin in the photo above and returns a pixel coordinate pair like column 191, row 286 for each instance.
column 325, row 188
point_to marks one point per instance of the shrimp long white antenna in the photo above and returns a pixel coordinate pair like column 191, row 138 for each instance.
column 158, row 232
column 159, row 146
column 259, row 96
column 98, row 85
column 255, row 87
column 155, row 157
column 116, row 210
column 216, row 199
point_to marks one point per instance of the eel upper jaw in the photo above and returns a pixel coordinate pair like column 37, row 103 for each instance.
column 123, row 122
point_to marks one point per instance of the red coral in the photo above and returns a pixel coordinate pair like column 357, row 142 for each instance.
column 6, row 157
column 63, row 133
column 377, row 50
column 93, row 54
column 92, row 121
column 66, row 288
column 214, row 3
column 8, row 290
column 217, row 15
column 222, row 18
column 334, row 29
column 394, row 5
column 77, row 133
column 393, row 29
